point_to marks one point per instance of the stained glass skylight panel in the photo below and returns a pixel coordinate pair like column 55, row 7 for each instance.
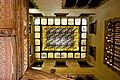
column 77, row 21
column 37, row 28
column 84, row 21
column 37, row 48
column 71, row 21
column 37, row 41
column 64, row 21
column 37, row 35
column 84, row 28
column 70, row 55
column 57, row 21
column 83, row 55
column 37, row 21
column 43, row 21
column 60, row 38
column 50, row 21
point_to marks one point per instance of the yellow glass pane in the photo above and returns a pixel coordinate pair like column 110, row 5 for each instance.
column 83, row 42
column 43, row 55
column 70, row 55
column 57, row 55
column 37, row 35
column 37, row 21
column 71, row 21
column 76, row 55
column 57, row 21
column 77, row 21
column 83, row 48
column 50, row 55
column 37, row 55
column 84, row 21
column 37, row 41
column 64, row 21
column 83, row 55
column 37, row 28
column 43, row 21
column 50, row 21
column 63, row 55
column 37, row 48
column 83, row 35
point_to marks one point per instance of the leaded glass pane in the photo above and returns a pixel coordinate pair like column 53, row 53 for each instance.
column 83, row 48
column 84, row 28
column 57, row 21
column 64, row 21
column 37, row 28
column 37, row 55
column 37, row 21
column 70, row 55
column 43, row 21
column 57, row 55
column 77, row 21
column 37, row 48
column 63, row 55
column 83, row 35
column 37, row 35
column 50, row 21
column 84, row 21
column 50, row 55
column 43, row 55
column 83, row 55
column 76, row 55
column 37, row 41
column 83, row 42
column 71, row 21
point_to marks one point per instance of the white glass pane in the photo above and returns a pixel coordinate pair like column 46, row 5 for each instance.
column 70, row 55
column 83, row 55
column 37, row 41
column 84, row 21
column 57, row 55
column 37, row 21
column 37, row 55
column 83, row 48
column 84, row 28
column 37, row 35
column 64, row 21
column 71, row 21
column 50, row 55
column 83, row 35
column 50, row 21
column 43, row 55
column 83, row 42
column 77, row 21
column 37, row 48
column 43, row 21
column 76, row 55
column 57, row 21
column 63, row 55
column 37, row 28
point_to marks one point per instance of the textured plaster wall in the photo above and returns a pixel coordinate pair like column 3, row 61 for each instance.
column 6, row 54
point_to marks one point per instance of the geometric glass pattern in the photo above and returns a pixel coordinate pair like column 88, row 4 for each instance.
column 60, row 38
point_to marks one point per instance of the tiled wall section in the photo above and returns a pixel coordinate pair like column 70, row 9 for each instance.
column 6, row 52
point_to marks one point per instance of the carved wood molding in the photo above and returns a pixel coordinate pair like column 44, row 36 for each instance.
column 7, row 32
